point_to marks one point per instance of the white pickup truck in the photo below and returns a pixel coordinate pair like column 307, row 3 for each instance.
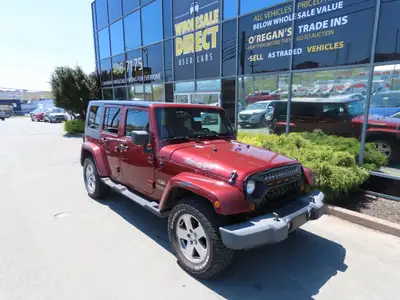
column 2, row 115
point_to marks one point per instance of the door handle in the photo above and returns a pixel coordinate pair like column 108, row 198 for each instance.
column 104, row 140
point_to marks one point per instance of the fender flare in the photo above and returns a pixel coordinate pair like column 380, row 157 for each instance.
column 231, row 199
column 99, row 157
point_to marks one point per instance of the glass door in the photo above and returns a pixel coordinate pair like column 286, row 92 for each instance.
column 182, row 98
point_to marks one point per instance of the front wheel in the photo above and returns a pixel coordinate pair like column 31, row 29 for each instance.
column 95, row 188
column 193, row 230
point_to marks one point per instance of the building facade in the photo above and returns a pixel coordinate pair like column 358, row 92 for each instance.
column 237, row 53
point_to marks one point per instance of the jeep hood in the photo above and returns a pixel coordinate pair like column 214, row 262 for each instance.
column 222, row 157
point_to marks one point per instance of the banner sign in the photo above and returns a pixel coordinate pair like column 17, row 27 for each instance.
column 197, row 42
column 326, row 33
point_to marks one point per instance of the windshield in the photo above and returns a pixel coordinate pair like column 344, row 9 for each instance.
column 192, row 123
column 386, row 100
column 355, row 108
column 56, row 110
column 257, row 106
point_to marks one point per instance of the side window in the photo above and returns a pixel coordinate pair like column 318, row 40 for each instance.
column 136, row 120
column 94, row 119
column 308, row 110
column 111, row 119
column 333, row 109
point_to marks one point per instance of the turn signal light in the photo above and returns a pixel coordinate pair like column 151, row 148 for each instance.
column 217, row 204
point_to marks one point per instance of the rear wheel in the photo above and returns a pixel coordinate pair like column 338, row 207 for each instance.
column 94, row 186
column 193, row 230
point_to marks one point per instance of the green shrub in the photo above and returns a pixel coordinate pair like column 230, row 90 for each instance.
column 74, row 126
column 333, row 159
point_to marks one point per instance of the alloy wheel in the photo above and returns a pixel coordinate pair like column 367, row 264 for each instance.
column 192, row 239
column 90, row 178
column 384, row 148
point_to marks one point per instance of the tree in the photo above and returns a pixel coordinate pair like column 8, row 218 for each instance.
column 73, row 89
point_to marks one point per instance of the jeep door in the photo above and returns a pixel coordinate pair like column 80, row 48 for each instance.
column 136, row 161
column 304, row 116
column 333, row 119
column 110, row 139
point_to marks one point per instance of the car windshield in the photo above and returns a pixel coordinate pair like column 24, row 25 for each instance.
column 386, row 100
column 56, row 110
column 192, row 123
column 258, row 106
column 355, row 108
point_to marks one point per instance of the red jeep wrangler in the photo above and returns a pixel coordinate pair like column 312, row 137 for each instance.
column 219, row 195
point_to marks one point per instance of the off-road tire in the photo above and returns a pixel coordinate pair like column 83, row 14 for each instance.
column 101, row 190
column 219, row 257
column 394, row 157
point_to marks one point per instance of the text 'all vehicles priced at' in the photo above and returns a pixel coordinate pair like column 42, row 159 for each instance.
column 321, row 35
column 218, row 194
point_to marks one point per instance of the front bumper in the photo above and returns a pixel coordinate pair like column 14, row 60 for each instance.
column 270, row 229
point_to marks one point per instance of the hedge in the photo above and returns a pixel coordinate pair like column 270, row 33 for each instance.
column 74, row 126
column 333, row 159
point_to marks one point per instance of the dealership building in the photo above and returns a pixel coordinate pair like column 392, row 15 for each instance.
column 234, row 53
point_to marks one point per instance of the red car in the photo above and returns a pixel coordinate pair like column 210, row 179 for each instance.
column 218, row 194
column 262, row 96
column 37, row 115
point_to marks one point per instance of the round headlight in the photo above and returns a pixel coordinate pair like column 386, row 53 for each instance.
column 250, row 187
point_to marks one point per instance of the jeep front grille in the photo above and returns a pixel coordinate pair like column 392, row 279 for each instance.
column 276, row 186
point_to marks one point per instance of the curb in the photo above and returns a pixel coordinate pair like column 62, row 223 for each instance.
column 363, row 220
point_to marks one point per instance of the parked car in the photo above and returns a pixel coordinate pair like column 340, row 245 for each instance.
column 385, row 103
column 218, row 194
column 343, row 117
column 37, row 115
column 2, row 115
column 55, row 115
column 254, row 115
column 262, row 96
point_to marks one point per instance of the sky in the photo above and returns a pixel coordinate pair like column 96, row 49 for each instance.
column 38, row 35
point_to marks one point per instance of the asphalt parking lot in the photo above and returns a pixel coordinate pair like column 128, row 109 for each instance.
column 57, row 243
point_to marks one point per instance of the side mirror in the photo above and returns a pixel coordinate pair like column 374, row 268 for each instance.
column 140, row 138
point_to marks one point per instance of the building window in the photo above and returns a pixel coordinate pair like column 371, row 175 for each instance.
column 114, row 10
column 129, row 5
column 119, row 69
column 152, row 23
column 102, row 13
column 111, row 119
column 96, row 47
column 153, row 63
column 108, row 94
column 258, row 96
column 133, row 37
column 229, row 48
column 104, row 43
column 260, row 49
column 208, row 85
column 120, row 93
column 247, row 6
column 384, row 116
column 105, row 72
column 136, row 120
column 231, row 8
column 134, row 67
column 168, row 60
column 388, row 38
column 167, row 18
column 136, row 93
column 117, row 38
column 334, row 39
